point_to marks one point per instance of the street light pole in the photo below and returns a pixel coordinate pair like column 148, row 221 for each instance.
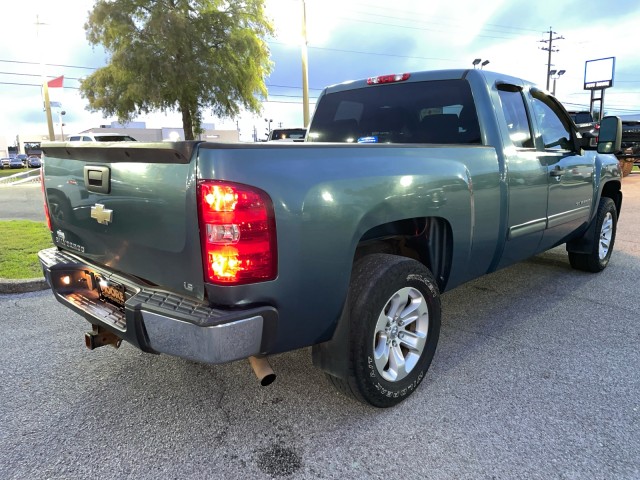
column 60, row 114
column 555, row 75
column 305, row 68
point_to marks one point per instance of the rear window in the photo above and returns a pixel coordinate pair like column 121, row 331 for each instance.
column 114, row 138
column 295, row 134
column 440, row 111
column 582, row 117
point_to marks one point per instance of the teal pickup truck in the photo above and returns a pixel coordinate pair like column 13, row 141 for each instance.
column 406, row 186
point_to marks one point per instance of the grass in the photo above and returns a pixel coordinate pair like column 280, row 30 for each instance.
column 19, row 243
column 6, row 172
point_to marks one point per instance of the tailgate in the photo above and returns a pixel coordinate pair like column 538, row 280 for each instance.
column 130, row 207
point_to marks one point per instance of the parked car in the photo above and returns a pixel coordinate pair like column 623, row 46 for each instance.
column 587, row 127
column 287, row 135
column 15, row 163
column 23, row 158
column 4, row 162
column 631, row 140
column 34, row 162
column 101, row 137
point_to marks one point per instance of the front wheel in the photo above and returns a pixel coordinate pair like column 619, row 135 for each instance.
column 394, row 328
column 598, row 258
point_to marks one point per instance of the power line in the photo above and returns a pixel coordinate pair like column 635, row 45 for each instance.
column 290, row 86
column 372, row 53
column 416, row 28
column 385, row 54
column 32, row 85
column 412, row 15
column 48, row 64
column 35, row 75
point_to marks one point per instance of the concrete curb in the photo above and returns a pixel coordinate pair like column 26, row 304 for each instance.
column 22, row 285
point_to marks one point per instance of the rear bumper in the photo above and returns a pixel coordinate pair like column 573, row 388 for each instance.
column 153, row 319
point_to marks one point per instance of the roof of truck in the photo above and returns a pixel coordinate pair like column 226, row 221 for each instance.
column 452, row 74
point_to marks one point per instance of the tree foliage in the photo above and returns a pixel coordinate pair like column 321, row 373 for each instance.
column 184, row 55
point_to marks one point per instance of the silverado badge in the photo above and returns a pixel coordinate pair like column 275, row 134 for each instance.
column 103, row 215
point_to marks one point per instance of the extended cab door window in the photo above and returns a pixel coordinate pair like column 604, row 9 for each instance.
column 555, row 127
column 516, row 116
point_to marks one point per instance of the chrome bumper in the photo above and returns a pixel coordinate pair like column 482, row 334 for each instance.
column 153, row 319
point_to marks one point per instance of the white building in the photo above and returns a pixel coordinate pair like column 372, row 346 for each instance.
column 136, row 130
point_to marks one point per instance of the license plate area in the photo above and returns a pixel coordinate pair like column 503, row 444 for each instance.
column 93, row 293
column 109, row 291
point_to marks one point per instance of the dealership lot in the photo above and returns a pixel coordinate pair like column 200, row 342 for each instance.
column 536, row 376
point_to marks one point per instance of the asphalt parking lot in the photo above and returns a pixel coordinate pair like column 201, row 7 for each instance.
column 536, row 377
column 22, row 202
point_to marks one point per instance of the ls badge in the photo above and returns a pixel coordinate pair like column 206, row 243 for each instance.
column 104, row 216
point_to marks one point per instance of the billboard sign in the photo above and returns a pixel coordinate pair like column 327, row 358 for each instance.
column 598, row 74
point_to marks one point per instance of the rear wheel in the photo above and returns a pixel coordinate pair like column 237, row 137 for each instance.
column 394, row 328
column 602, row 245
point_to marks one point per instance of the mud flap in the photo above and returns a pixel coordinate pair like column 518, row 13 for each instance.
column 584, row 244
column 332, row 356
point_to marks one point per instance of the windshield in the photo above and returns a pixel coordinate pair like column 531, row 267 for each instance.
column 439, row 111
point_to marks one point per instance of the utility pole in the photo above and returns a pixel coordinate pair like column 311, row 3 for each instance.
column 305, row 69
column 549, row 48
column 45, row 86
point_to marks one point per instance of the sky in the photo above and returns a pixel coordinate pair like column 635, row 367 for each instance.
column 347, row 40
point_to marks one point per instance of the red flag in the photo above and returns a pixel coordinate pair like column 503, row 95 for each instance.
column 56, row 82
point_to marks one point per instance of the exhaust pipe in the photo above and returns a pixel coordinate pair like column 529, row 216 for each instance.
column 100, row 337
column 263, row 370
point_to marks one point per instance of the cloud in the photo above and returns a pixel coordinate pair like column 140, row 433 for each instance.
column 348, row 40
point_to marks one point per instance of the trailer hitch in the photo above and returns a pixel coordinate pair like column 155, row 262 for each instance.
column 99, row 337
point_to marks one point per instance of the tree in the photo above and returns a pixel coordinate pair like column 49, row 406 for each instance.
column 184, row 55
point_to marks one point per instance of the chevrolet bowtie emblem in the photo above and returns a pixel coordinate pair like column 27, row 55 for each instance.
column 103, row 215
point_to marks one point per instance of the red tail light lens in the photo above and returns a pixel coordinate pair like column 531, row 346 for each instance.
column 393, row 78
column 238, row 233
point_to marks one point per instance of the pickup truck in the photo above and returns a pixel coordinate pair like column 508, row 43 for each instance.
column 586, row 125
column 407, row 186
column 631, row 140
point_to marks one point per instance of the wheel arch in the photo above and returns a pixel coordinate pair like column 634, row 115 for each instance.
column 613, row 190
column 426, row 239
column 586, row 241
column 429, row 240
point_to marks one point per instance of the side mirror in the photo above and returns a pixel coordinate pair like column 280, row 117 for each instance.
column 610, row 135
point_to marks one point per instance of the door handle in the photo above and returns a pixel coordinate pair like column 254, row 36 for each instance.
column 556, row 172
column 97, row 179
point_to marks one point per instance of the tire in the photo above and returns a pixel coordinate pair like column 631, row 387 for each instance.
column 390, row 348
column 602, row 244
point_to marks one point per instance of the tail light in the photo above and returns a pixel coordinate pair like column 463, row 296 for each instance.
column 238, row 233
column 44, row 198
